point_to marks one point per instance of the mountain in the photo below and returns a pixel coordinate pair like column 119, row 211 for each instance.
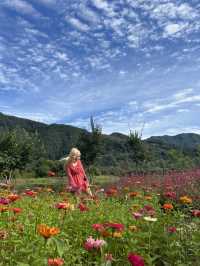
column 184, row 141
column 58, row 140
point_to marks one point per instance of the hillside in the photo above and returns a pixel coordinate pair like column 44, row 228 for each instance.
column 59, row 138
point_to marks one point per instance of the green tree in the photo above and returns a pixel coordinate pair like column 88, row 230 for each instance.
column 90, row 144
column 18, row 148
column 136, row 147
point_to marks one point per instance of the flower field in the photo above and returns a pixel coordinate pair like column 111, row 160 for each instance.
column 142, row 220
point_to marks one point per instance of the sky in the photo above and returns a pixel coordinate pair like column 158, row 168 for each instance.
column 131, row 64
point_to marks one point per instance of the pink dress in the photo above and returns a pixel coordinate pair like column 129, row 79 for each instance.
column 76, row 176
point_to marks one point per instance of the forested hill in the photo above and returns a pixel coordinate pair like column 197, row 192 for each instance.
column 58, row 139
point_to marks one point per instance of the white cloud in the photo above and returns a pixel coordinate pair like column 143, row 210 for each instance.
column 172, row 29
column 77, row 24
column 21, row 6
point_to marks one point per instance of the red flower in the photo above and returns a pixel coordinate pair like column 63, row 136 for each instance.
column 172, row 229
column 16, row 210
column 111, row 192
column 83, row 208
column 170, row 195
column 135, row 260
column 98, row 227
column 31, row 193
column 115, row 226
column 56, row 262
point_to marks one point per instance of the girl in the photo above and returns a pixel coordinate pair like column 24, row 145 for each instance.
column 77, row 178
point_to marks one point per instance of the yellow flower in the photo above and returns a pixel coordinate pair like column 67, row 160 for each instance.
column 135, row 207
column 133, row 228
column 117, row 234
column 185, row 200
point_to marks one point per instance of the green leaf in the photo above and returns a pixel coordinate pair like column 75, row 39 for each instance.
column 59, row 246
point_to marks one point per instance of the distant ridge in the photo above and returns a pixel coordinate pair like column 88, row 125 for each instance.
column 59, row 138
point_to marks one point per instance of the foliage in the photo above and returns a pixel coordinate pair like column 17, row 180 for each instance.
column 17, row 149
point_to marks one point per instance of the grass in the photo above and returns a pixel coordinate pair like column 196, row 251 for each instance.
column 57, row 183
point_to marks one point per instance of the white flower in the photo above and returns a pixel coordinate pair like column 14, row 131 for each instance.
column 150, row 219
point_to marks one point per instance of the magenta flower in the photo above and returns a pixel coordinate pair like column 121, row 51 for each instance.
column 135, row 260
column 4, row 201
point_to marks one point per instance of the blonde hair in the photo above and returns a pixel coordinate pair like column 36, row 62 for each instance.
column 73, row 151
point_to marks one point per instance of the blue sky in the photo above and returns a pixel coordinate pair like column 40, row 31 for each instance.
column 129, row 63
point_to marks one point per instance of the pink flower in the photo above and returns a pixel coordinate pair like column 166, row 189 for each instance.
column 91, row 243
column 116, row 226
column 109, row 257
column 196, row 213
column 170, row 195
column 137, row 215
column 135, row 260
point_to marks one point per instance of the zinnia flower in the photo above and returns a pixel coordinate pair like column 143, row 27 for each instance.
column 16, row 210
column 111, row 192
column 4, row 201
column 185, row 200
column 56, row 262
column 150, row 219
column 196, row 213
column 62, row 205
column 31, row 193
column 109, row 257
column 135, row 260
column 98, row 227
column 13, row 197
column 47, row 231
column 3, row 209
column 133, row 228
column 117, row 234
column 3, row 234
column 83, row 208
column 171, row 229
column 170, row 195
column 137, row 215
column 91, row 243
column 133, row 194
column 115, row 226
column 168, row 206
column 147, row 197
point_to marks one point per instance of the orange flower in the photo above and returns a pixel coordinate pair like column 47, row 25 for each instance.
column 105, row 233
column 3, row 209
column 147, row 197
column 47, row 231
column 16, row 210
column 13, row 197
column 133, row 194
column 168, row 206
column 185, row 200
